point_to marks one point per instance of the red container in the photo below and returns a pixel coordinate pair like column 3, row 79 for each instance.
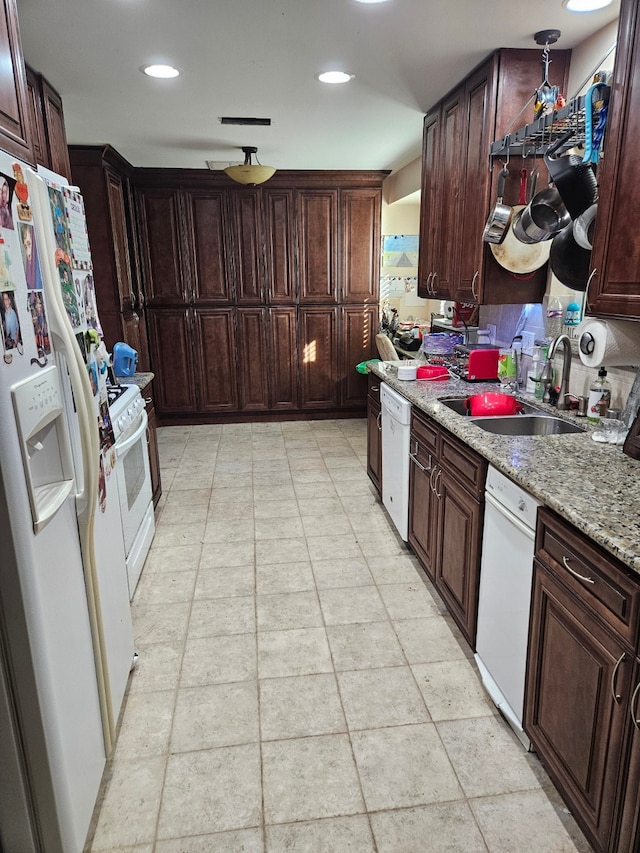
column 434, row 372
column 492, row 404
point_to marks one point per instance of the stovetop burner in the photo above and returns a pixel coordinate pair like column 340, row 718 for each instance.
column 114, row 392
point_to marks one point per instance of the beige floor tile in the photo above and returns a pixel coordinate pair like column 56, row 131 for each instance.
column 290, row 550
column 302, row 651
column 433, row 639
column 215, row 715
column 310, row 476
column 327, row 525
column 363, row 646
column 525, row 819
column 237, row 466
column 284, row 577
column 158, row 667
column 146, row 725
column 226, row 480
column 309, row 778
column 351, row 472
column 276, row 509
column 219, row 555
column 170, row 454
column 404, row 766
column 374, row 698
column 330, row 835
column 134, row 790
column 288, row 610
column 202, row 431
column 334, row 574
column 215, row 616
column 225, row 529
column 402, row 569
column 191, row 498
column 223, row 496
column 165, row 587
column 300, row 706
column 265, row 492
column 383, row 544
column 276, row 477
column 487, row 757
column 311, row 508
column 408, row 601
column 354, row 488
column 438, row 828
column 226, row 582
column 170, row 535
column 278, row 528
column 173, row 559
column 212, row 790
column 192, row 478
column 319, row 491
column 343, row 547
column 236, row 841
column 353, row 604
column 214, row 660
column 452, row 690
column 157, row 623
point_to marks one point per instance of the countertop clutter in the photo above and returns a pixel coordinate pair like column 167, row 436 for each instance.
column 591, row 485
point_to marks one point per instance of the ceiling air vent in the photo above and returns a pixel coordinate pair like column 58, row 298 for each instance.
column 253, row 122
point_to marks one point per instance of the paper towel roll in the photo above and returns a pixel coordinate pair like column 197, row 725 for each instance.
column 609, row 342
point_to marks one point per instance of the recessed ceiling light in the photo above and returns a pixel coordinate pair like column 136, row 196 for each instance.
column 335, row 77
column 162, row 71
column 585, row 5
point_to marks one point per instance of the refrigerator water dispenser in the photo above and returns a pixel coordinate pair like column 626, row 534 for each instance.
column 44, row 443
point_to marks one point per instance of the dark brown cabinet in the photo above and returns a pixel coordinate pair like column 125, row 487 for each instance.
column 283, row 360
column 583, row 636
column 216, row 360
column 160, row 217
column 47, row 123
column 152, row 444
column 318, row 329
column 280, row 240
column 317, row 226
column 628, row 829
column 357, row 329
column 458, row 183
column 206, row 246
column 446, row 511
column 614, row 285
column 172, row 360
column 15, row 121
column 252, row 347
column 360, row 240
column 374, row 432
column 247, row 226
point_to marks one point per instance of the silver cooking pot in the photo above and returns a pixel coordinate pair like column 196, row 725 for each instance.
column 544, row 217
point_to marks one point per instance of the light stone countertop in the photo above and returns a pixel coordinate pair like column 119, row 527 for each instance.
column 139, row 379
column 596, row 487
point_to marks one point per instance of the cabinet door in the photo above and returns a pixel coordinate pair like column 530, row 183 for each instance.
column 36, row 117
column 207, row 224
column 628, row 828
column 15, row 124
column 216, row 360
column 56, row 135
column 318, row 355
column 358, row 327
column 374, row 443
column 458, row 546
column 283, row 359
column 423, row 512
column 152, row 444
column 279, row 227
column 360, row 249
column 446, row 250
column 162, row 246
column 614, row 289
column 317, row 216
column 480, row 107
column 134, row 333
column 248, row 250
column 252, row 348
column 171, row 334
column 576, row 702
column 429, row 197
column 118, row 230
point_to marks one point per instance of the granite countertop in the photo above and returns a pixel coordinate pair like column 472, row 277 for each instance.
column 594, row 486
column 139, row 379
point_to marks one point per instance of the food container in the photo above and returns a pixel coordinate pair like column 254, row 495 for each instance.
column 434, row 372
column 408, row 370
column 492, row 404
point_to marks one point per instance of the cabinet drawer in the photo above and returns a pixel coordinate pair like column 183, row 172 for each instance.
column 464, row 464
column 373, row 389
column 424, row 438
column 609, row 587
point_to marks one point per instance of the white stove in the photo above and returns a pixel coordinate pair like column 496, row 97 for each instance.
column 125, row 406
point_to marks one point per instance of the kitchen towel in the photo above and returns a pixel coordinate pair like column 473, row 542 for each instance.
column 609, row 342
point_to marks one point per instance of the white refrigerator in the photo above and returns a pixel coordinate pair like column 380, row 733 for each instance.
column 66, row 639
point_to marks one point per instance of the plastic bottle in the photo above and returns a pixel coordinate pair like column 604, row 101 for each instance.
column 599, row 397
column 535, row 372
column 554, row 318
column 572, row 315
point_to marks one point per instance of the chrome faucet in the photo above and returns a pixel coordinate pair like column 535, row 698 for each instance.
column 563, row 402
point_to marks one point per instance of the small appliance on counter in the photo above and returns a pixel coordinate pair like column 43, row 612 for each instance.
column 125, row 360
column 476, row 362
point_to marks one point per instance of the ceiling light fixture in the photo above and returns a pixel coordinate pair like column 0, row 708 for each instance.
column 585, row 5
column 334, row 77
column 247, row 173
column 163, row 72
column 371, row 1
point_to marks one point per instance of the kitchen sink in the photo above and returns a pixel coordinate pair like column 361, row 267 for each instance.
column 526, row 425
column 457, row 404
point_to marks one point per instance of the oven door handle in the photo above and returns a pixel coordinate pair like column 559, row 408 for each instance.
column 121, row 449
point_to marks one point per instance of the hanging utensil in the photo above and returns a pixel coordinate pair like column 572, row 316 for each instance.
column 500, row 217
column 512, row 254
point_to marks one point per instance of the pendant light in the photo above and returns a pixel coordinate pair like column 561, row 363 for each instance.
column 247, row 173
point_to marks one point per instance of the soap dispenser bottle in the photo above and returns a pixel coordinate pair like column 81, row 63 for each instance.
column 599, row 397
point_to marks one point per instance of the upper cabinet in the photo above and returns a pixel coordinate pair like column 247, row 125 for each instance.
column 458, row 183
column 47, row 125
column 614, row 284
column 15, row 121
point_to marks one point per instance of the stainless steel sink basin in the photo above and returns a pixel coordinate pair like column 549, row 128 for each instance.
column 526, row 425
column 457, row 404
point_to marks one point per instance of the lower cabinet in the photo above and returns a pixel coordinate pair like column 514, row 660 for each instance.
column 319, row 357
column 374, row 433
column 446, row 512
column 628, row 827
column 583, row 636
column 152, row 444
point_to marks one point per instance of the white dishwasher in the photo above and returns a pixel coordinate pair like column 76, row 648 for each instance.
column 396, row 427
column 506, row 573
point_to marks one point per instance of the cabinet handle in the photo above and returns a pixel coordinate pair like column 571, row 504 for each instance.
column 433, row 286
column 435, row 473
column 586, row 290
column 379, row 421
column 133, row 299
column 473, row 284
column 632, row 706
column 616, row 698
column 375, row 387
column 429, row 282
column 565, row 563
column 414, row 458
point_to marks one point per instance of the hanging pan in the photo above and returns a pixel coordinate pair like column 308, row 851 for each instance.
column 500, row 217
column 512, row 254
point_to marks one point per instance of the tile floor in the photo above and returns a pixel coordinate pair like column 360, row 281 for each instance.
column 301, row 686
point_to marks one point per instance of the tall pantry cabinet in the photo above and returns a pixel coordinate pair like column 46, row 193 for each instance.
column 260, row 300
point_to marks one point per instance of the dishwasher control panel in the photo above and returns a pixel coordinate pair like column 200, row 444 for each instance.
column 512, row 497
